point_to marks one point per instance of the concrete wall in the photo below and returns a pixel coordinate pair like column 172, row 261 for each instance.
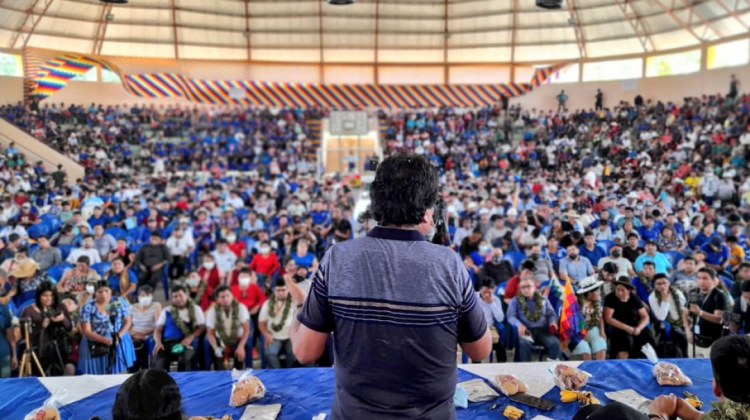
column 581, row 94
column 35, row 151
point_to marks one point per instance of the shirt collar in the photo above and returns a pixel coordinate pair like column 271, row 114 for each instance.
column 396, row 234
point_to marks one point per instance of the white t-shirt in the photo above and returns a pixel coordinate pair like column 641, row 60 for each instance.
column 200, row 319
column 244, row 316
column 225, row 261
column 284, row 333
column 666, row 306
column 180, row 246
column 92, row 253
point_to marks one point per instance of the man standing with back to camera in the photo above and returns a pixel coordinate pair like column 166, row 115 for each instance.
column 398, row 306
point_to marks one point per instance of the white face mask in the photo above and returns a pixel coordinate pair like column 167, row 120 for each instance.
column 90, row 289
column 192, row 281
column 209, row 265
column 231, row 239
column 244, row 281
column 145, row 300
column 265, row 250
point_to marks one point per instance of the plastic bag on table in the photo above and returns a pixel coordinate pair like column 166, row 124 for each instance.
column 246, row 388
column 569, row 378
column 666, row 374
column 509, row 384
column 49, row 409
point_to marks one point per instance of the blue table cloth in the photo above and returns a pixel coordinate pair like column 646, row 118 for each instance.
column 304, row 393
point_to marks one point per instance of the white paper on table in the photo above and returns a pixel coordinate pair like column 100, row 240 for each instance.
column 261, row 412
column 321, row 416
column 630, row 398
column 540, row 417
column 478, row 390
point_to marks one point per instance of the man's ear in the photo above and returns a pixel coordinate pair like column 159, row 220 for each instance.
column 716, row 390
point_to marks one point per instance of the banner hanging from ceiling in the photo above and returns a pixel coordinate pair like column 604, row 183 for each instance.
column 47, row 72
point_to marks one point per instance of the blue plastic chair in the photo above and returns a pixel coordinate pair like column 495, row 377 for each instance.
column 116, row 232
column 54, row 224
column 57, row 271
column 49, row 216
column 674, row 258
column 65, row 250
column 241, row 213
column 500, row 289
column 137, row 233
column 39, row 229
column 165, row 281
column 516, row 258
column 23, row 306
column 727, row 281
column 605, row 245
column 101, row 268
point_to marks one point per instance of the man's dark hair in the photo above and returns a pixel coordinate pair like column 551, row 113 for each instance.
column 688, row 258
column 745, row 286
column 632, row 235
column 730, row 360
column 149, row 394
column 710, row 271
column 651, row 263
column 84, row 259
column 405, row 186
column 179, row 288
column 222, row 288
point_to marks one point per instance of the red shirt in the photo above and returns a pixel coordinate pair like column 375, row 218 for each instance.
column 212, row 278
column 511, row 288
column 266, row 265
column 237, row 248
column 253, row 296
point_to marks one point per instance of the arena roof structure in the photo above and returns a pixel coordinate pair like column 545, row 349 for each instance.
column 371, row 31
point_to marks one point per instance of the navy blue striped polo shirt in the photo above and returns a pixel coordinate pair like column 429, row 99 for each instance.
column 398, row 306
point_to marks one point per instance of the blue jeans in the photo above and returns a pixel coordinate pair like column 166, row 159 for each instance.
column 541, row 337
column 274, row 351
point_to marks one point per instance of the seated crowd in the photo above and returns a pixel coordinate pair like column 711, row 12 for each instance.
column 643, row 209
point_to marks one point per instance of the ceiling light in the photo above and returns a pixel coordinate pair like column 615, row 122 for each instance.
column 340, row 2
column 115, row 1
column 549, row 4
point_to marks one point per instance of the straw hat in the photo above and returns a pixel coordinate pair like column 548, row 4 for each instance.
column 26, row 268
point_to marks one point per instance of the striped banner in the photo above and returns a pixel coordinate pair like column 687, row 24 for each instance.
column 46, row 75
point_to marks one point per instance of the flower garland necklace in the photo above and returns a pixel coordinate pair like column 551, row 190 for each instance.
column 673, row 293
column 201, row 290
column 234, row 330
column 284, row 315
column 645, row 282
column 539, row 305
column 595, row 315
column 178, row 320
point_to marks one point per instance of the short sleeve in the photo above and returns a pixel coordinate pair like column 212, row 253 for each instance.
column 124, row 307
column 86, row 313
column 317, row 314
column 200, row 318
column 720, row 299
column 609, row 301
column 210, row 318
column 472, row 324
column 162, row 317
column 244, row 315
column 263, row 314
